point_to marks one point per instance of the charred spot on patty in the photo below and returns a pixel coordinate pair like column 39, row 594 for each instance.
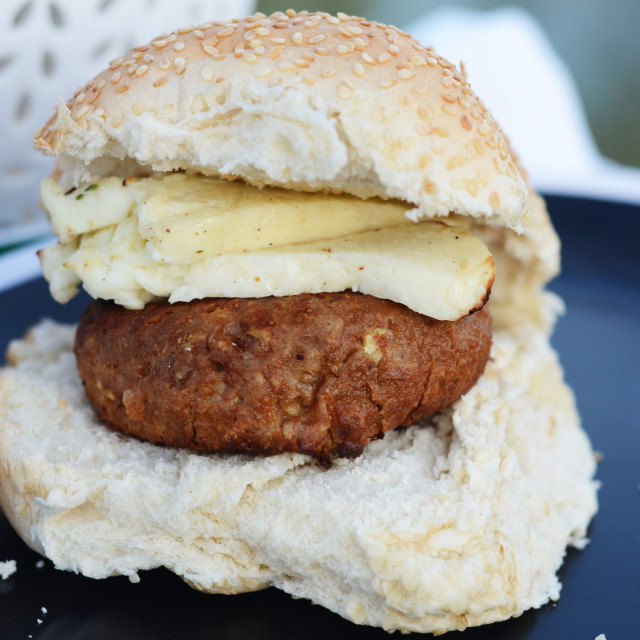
column 320, row 374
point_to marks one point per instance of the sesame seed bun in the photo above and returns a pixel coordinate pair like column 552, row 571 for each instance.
column 306, row 101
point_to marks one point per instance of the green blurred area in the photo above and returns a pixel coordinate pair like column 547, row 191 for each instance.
column 598, row 39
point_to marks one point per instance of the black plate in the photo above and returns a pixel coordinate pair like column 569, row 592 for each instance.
column 599, row 343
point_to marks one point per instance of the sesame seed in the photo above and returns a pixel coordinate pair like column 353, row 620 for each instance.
column 356, row 31
column 80, row 98
column 344, row 92
column 99, row 112
column 317, row 39
column 388, row 83
column 180, row 70
column 418, row 61
column 342, row 49
column 466, row 123
column 132, row 69
column 278, row 40
column 275, row 52
column 198, row 34
column 424, row 160
column 82, row 112
column 394, row 49
column 184, row 30
column 286, row 66
column 333, row 20
column 358, row 70
column 280, row 25
column 94, row 97
column 206, row 73
column 115, row 63
column 484, row 129
column 137, row 55
column 159, row 44
column 262, row 31
column 296, row 21
column 322, row 51
column 297, row 37
column 263, row 72
column 384, row 57
column 329, row 73
column 472, row 187
column 227, row 31
column 138, row 108
column 249, row 57
column 179, row 62
column 199, row 104
column 478, row 146
column 115, row 78
column 432, row 62
column 449, row 109
column 406, row 74
column 149, row 58
column 342, row 16
column 160, row 81
column 494, row 200
column 178, row 46
column 141, row 70
column 122, row 88
column 439, row 131
column 464, row 102
column 368, row 59
column 255, row 43
column 301, row 63
column 164, row 64
column 424, row 113
column 345, row 33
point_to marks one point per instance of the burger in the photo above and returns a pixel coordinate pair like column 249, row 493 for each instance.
column 291, row 374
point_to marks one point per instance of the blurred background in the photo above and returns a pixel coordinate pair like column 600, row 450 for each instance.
column 49, row 47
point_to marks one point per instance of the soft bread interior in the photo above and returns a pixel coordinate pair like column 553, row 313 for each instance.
column 438, row 527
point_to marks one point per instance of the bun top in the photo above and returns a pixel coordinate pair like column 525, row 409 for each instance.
column 306, row 101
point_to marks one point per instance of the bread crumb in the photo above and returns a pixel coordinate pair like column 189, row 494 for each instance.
column 44, row 610
column 39, row 564
column 601, row 637
column 7, row 568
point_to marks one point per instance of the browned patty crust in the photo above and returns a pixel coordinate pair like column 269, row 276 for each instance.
column 321, row 374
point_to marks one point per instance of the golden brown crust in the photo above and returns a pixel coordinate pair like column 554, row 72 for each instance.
column 318, row 374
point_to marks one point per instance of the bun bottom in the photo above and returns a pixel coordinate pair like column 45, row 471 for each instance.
column 440, row 526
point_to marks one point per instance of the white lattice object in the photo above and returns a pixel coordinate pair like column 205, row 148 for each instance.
column 47, row 49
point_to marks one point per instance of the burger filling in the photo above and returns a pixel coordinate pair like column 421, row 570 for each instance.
column 186, row 237
column 264, row 320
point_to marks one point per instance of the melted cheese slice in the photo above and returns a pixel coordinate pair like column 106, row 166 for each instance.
column 183, row 237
